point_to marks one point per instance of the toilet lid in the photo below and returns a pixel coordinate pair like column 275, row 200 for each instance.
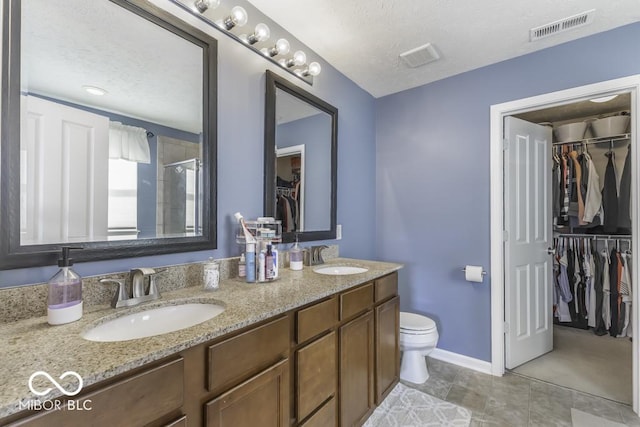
column 415, row 322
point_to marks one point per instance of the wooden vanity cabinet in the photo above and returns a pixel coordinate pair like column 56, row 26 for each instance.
column 369, row 348
column 324, row 365
column 316, row 370
column 260, row 401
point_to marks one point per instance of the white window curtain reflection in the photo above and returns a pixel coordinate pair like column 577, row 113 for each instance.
column 128, row 143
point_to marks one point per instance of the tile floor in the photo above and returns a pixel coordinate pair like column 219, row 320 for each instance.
column 514, row 400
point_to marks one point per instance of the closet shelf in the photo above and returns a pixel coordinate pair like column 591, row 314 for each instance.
column 613, row 138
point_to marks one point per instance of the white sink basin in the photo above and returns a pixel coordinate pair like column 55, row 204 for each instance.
column 152, row 322
column 340, row 270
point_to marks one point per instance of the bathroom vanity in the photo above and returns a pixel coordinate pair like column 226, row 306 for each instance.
column 306, row 350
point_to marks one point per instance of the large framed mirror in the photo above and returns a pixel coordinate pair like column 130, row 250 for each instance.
column 300, row 162
column 108, row 132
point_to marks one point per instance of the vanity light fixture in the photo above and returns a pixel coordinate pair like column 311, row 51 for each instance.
column 299, row 58
column 278, row 53
column 202, row 5
column 94, row 90
column 238, row 18
column 260, row 34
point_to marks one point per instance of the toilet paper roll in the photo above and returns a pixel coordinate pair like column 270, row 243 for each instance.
column 473, row 273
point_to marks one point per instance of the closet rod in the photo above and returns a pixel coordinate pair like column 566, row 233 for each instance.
column 589, row 141
column 596, row 236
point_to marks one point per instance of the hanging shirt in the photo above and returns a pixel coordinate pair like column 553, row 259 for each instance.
column 624, row 199
column 606, row 289
column 593, row 202
column 610, row 197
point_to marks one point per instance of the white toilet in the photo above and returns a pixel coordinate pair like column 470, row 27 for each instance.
column 418, row 337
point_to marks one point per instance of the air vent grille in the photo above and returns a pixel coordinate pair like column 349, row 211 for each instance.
column 579, row 20
column 420, row 55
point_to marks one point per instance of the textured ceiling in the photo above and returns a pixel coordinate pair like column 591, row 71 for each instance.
column 71, row 43
column 363, row 38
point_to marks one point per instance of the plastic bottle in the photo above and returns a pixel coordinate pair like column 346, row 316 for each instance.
column 268, row 262
column 251, row 262
column 65, row 292
column 261, row 267
column 275, row 262
column 295, row 256
column 242, row 267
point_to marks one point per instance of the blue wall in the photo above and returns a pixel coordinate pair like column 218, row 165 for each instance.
column 241, row 100
column 432, row 179
column 315, row 133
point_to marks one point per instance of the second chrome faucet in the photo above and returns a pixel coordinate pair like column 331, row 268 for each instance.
column 140, row 291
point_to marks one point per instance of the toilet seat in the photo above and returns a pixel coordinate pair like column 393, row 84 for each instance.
column 415, row 324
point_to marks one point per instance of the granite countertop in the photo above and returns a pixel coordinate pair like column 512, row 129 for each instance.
column 32, row 345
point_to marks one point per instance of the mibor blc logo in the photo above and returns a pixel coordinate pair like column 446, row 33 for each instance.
column 55, row 383
column 55, row 404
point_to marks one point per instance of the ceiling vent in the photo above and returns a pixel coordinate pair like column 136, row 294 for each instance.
column 420, row 55
column 561, row 25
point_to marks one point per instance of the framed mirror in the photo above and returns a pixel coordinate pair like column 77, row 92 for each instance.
column 300, row 164
column 108, row 132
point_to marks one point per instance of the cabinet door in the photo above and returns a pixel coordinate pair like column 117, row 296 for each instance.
column 316, row 374
column 260, row 401
column 356, row 370
column 387, row 320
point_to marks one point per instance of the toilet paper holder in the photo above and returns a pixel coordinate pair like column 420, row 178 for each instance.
column 484, row 273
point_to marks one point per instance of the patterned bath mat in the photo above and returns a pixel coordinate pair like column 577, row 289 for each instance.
column 406, row 407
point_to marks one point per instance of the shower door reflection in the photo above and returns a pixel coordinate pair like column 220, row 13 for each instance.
column 180, row 199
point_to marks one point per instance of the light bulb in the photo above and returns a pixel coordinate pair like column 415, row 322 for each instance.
column 299, row 58
column 203, row 5
column 238, row 17
column 282, row 46
column 260, row 34
column 314, row 69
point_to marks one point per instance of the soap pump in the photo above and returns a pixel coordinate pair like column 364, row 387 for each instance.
column 295, row 256
column 65, row 292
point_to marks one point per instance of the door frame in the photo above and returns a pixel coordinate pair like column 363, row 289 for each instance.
column 498, row 112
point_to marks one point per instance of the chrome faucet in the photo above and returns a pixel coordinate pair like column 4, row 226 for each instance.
column 313, row 255
column 138, row 294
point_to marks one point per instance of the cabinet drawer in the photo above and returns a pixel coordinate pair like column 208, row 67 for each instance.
column 386, row 287
column 316, row 374
column 325, row 417
column 139, row 399
column 356, row 301
column 316, row 319
column 260, row 401
column 239, row 357
column 180, row 422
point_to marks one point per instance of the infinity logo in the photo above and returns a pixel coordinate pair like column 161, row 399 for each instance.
column 55, row 383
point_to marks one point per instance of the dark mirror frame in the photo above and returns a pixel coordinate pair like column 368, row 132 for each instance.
column 273, row 83
column 12, row 253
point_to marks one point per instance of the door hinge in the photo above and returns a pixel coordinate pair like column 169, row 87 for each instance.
column 505, row 144
column 505, row 235
column 506, row 328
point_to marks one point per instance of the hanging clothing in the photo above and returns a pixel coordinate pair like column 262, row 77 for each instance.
column 624, row 201
column 593, row 202
column 610, row 197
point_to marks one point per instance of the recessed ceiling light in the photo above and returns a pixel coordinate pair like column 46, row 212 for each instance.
column 603, row 99
column 94, row 90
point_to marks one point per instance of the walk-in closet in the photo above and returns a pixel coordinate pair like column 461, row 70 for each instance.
column 591, row 174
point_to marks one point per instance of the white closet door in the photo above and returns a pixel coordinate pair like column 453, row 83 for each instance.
column 528, row 264
column 65, row 153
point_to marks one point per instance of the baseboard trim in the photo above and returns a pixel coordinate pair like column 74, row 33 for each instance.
column 461, row 360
